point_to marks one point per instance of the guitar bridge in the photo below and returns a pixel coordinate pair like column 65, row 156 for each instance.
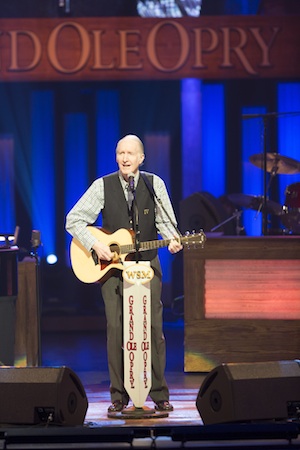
column 116, row 258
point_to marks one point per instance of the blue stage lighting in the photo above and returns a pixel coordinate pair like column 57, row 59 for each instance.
column 51, row 259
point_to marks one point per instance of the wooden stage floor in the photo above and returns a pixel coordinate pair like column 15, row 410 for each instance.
column 183, row 428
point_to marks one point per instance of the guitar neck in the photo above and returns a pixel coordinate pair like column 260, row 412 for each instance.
column 148, row 245
column 189, row 240
column 151, row 245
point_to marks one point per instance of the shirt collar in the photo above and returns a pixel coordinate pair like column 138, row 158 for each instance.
column 124, row 183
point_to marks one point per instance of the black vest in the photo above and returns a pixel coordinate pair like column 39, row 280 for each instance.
column 115, row 213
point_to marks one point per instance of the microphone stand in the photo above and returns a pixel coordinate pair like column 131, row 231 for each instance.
column 35, row 242
column 264, row 211
column 135, row 224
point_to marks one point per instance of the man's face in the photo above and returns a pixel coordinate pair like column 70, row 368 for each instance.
column 129, row 157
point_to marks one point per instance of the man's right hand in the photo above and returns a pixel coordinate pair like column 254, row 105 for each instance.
column 103, row 251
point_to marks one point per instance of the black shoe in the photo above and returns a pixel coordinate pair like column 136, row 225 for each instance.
column 116, row 406
column 163, row 405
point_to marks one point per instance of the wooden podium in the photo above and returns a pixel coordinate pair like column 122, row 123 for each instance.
column 8, row 295
column 27, row 343
column 241, row 301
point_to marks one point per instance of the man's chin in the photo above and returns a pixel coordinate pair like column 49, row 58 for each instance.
column 125, row 172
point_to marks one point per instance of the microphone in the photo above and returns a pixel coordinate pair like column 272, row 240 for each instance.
column 35, row 239
column 131, row 181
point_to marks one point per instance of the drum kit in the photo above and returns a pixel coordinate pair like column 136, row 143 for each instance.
column 289, row 213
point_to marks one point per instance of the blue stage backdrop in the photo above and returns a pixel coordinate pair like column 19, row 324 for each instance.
column 76, row 158
column 61, row 137
column 43, row 168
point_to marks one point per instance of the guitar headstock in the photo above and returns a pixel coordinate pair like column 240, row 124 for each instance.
column 193, row 239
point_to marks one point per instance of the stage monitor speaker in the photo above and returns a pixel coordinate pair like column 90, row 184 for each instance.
column 243, row 392
column 36, row 395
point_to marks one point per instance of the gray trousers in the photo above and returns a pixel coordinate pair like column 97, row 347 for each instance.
column 112, row 293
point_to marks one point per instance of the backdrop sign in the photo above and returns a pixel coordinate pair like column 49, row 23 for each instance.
column 119, row 48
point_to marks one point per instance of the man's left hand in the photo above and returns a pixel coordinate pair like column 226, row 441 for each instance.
column 174, row 246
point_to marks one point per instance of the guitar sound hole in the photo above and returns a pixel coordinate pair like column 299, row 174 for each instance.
column 115, row 248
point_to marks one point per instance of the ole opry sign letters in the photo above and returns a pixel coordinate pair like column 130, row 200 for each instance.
column 136, row 48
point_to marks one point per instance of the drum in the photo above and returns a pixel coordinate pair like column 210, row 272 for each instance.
column 291, row 208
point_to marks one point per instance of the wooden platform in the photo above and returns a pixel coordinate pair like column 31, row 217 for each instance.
column 242, row 301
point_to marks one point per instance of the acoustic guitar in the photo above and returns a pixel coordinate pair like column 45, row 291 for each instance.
column 89, row 269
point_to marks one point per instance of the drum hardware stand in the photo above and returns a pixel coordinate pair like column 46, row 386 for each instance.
column 265, row 117
column 236, row 215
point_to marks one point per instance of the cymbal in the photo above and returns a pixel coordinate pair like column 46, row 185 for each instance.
column 276, row 163
column 255, row 202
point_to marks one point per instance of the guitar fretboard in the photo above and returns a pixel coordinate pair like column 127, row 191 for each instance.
column 190, row 240
column 148, row 245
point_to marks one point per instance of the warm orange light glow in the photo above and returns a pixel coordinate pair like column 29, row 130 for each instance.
column 252, row 289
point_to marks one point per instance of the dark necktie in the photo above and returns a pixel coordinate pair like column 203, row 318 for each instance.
column 130, row 198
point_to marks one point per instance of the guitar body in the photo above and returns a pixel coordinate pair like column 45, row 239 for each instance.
column 83, row 263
